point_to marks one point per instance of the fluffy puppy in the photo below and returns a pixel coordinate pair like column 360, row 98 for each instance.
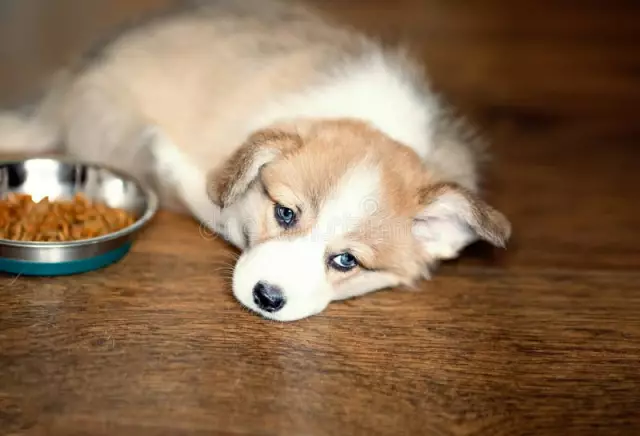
column 320, row 154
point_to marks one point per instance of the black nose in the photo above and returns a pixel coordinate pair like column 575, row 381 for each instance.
column 268, row 297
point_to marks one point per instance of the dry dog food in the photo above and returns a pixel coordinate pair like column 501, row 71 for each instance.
column 22, row 219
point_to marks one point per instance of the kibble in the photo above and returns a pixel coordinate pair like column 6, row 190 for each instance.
column 22, row 219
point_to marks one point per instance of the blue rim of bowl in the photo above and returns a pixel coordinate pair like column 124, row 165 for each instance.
column 65, row 268
column 150, row 211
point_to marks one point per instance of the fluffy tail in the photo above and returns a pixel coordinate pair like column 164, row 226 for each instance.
column 37, row 130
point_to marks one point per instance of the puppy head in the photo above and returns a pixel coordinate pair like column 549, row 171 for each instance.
column 334, row 209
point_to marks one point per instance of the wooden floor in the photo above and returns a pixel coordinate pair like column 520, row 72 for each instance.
column 541, row 339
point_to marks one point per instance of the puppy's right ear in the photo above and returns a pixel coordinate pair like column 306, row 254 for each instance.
column 227, row 183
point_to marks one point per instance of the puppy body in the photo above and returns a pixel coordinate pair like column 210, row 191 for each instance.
column 238, row 111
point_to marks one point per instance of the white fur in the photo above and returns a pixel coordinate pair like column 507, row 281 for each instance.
column 185, row 177
column 374, row 90
column 297, row 266
column 354, row 199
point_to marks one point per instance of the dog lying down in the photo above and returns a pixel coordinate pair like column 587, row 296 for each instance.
column 320, row 154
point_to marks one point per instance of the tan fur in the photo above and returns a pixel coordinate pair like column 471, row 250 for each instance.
column 238, row 169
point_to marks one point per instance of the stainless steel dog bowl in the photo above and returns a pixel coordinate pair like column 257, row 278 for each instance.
column 62, row 179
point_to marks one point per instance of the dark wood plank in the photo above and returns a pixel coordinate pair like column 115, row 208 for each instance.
column 543, row 338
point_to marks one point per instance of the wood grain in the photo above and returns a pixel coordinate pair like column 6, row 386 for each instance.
column 540, row 339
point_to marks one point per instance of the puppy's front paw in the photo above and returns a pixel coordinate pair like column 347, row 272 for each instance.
column 170, row 164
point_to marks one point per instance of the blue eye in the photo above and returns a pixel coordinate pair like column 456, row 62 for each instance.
column 344, row 262
column 286, row 217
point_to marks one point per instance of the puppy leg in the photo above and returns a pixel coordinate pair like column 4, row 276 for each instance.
column 103, row 125
column 172, row 167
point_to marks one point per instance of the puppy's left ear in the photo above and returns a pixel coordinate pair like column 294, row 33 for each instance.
column 227, row 183
column 452, row 218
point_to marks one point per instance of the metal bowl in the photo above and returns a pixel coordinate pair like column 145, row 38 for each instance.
column 61, row 179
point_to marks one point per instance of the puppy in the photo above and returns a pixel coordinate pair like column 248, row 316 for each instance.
column 319, row 153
